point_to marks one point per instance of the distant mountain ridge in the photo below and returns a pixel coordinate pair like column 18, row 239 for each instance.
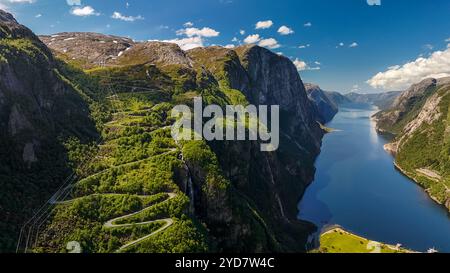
column 381, row 100
column 327, row 103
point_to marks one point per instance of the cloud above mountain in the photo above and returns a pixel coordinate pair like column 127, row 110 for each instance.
column 264, row 24
column 84, row 11
column 400, row 77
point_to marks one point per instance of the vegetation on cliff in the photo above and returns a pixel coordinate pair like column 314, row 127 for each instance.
column 420, row 121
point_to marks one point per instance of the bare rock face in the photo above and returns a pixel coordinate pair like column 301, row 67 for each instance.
column 429, row 113
column 411, row 94
column 11, row 29
column 327, row 108
column 404, row 103
column 17, row 121
column 90, row 49
column 154, row 53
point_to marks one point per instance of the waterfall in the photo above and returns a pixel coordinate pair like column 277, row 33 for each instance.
column 191, row 193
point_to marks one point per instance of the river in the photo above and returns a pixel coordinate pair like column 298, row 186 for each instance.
column 357, row 187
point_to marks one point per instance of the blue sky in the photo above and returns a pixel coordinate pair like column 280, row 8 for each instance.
column 338, row 44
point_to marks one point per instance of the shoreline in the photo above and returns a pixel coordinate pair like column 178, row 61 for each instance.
column 336, row 228
column 406, row 174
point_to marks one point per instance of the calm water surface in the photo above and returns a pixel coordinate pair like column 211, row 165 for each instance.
column 357, row 187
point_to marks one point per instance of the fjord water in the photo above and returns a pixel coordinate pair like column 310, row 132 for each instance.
column 357, row 187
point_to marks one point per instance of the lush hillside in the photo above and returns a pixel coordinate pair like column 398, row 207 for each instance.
column 41, row 111
column 327, row 107
column 420, row 121
column 338, row 240
column 142, row 192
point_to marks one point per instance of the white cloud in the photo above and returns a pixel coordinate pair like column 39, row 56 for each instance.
column 317, row 63
column 204, row 32
column 38, row 15
column 308, row 24
column 251, row 39
column 242, row 32
column 119, row 16
column 187, row 43
column 188, row 24
column 401, row 77
column 269, row 43
column 230, row 46
column 264, row 24
column 304, row 46
column 84, row 11
column 300, row 65
column 355, row 88
column 236, row 40
column 194, row 37
column 284, row 30
column 354, row 44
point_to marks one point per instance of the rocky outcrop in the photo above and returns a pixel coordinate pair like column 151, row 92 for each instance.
column 412, row 98
column 88, row 49
column 327, row 108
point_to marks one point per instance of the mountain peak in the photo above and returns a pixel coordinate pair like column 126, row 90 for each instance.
column 6, row 17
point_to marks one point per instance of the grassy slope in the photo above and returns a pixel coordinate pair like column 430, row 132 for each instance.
column 338, row 240
column 138, row 158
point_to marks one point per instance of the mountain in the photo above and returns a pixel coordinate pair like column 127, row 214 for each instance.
column 324, row 101
column 381, row 100
column 420, row 121
column 40, row 112
column 337, row 98
column 192, row 196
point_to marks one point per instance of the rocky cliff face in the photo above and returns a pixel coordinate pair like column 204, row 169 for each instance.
column 38, row 108
column 273, row 181
column 257, row 209
column 395, row 117
column 420, row 122
column 88, row 49
column 327, row 108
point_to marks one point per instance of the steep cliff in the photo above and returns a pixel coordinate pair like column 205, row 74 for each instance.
column 39, row 111
column 327, row 107
column 420, row 121
column 246, row 199
column 405, row 107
